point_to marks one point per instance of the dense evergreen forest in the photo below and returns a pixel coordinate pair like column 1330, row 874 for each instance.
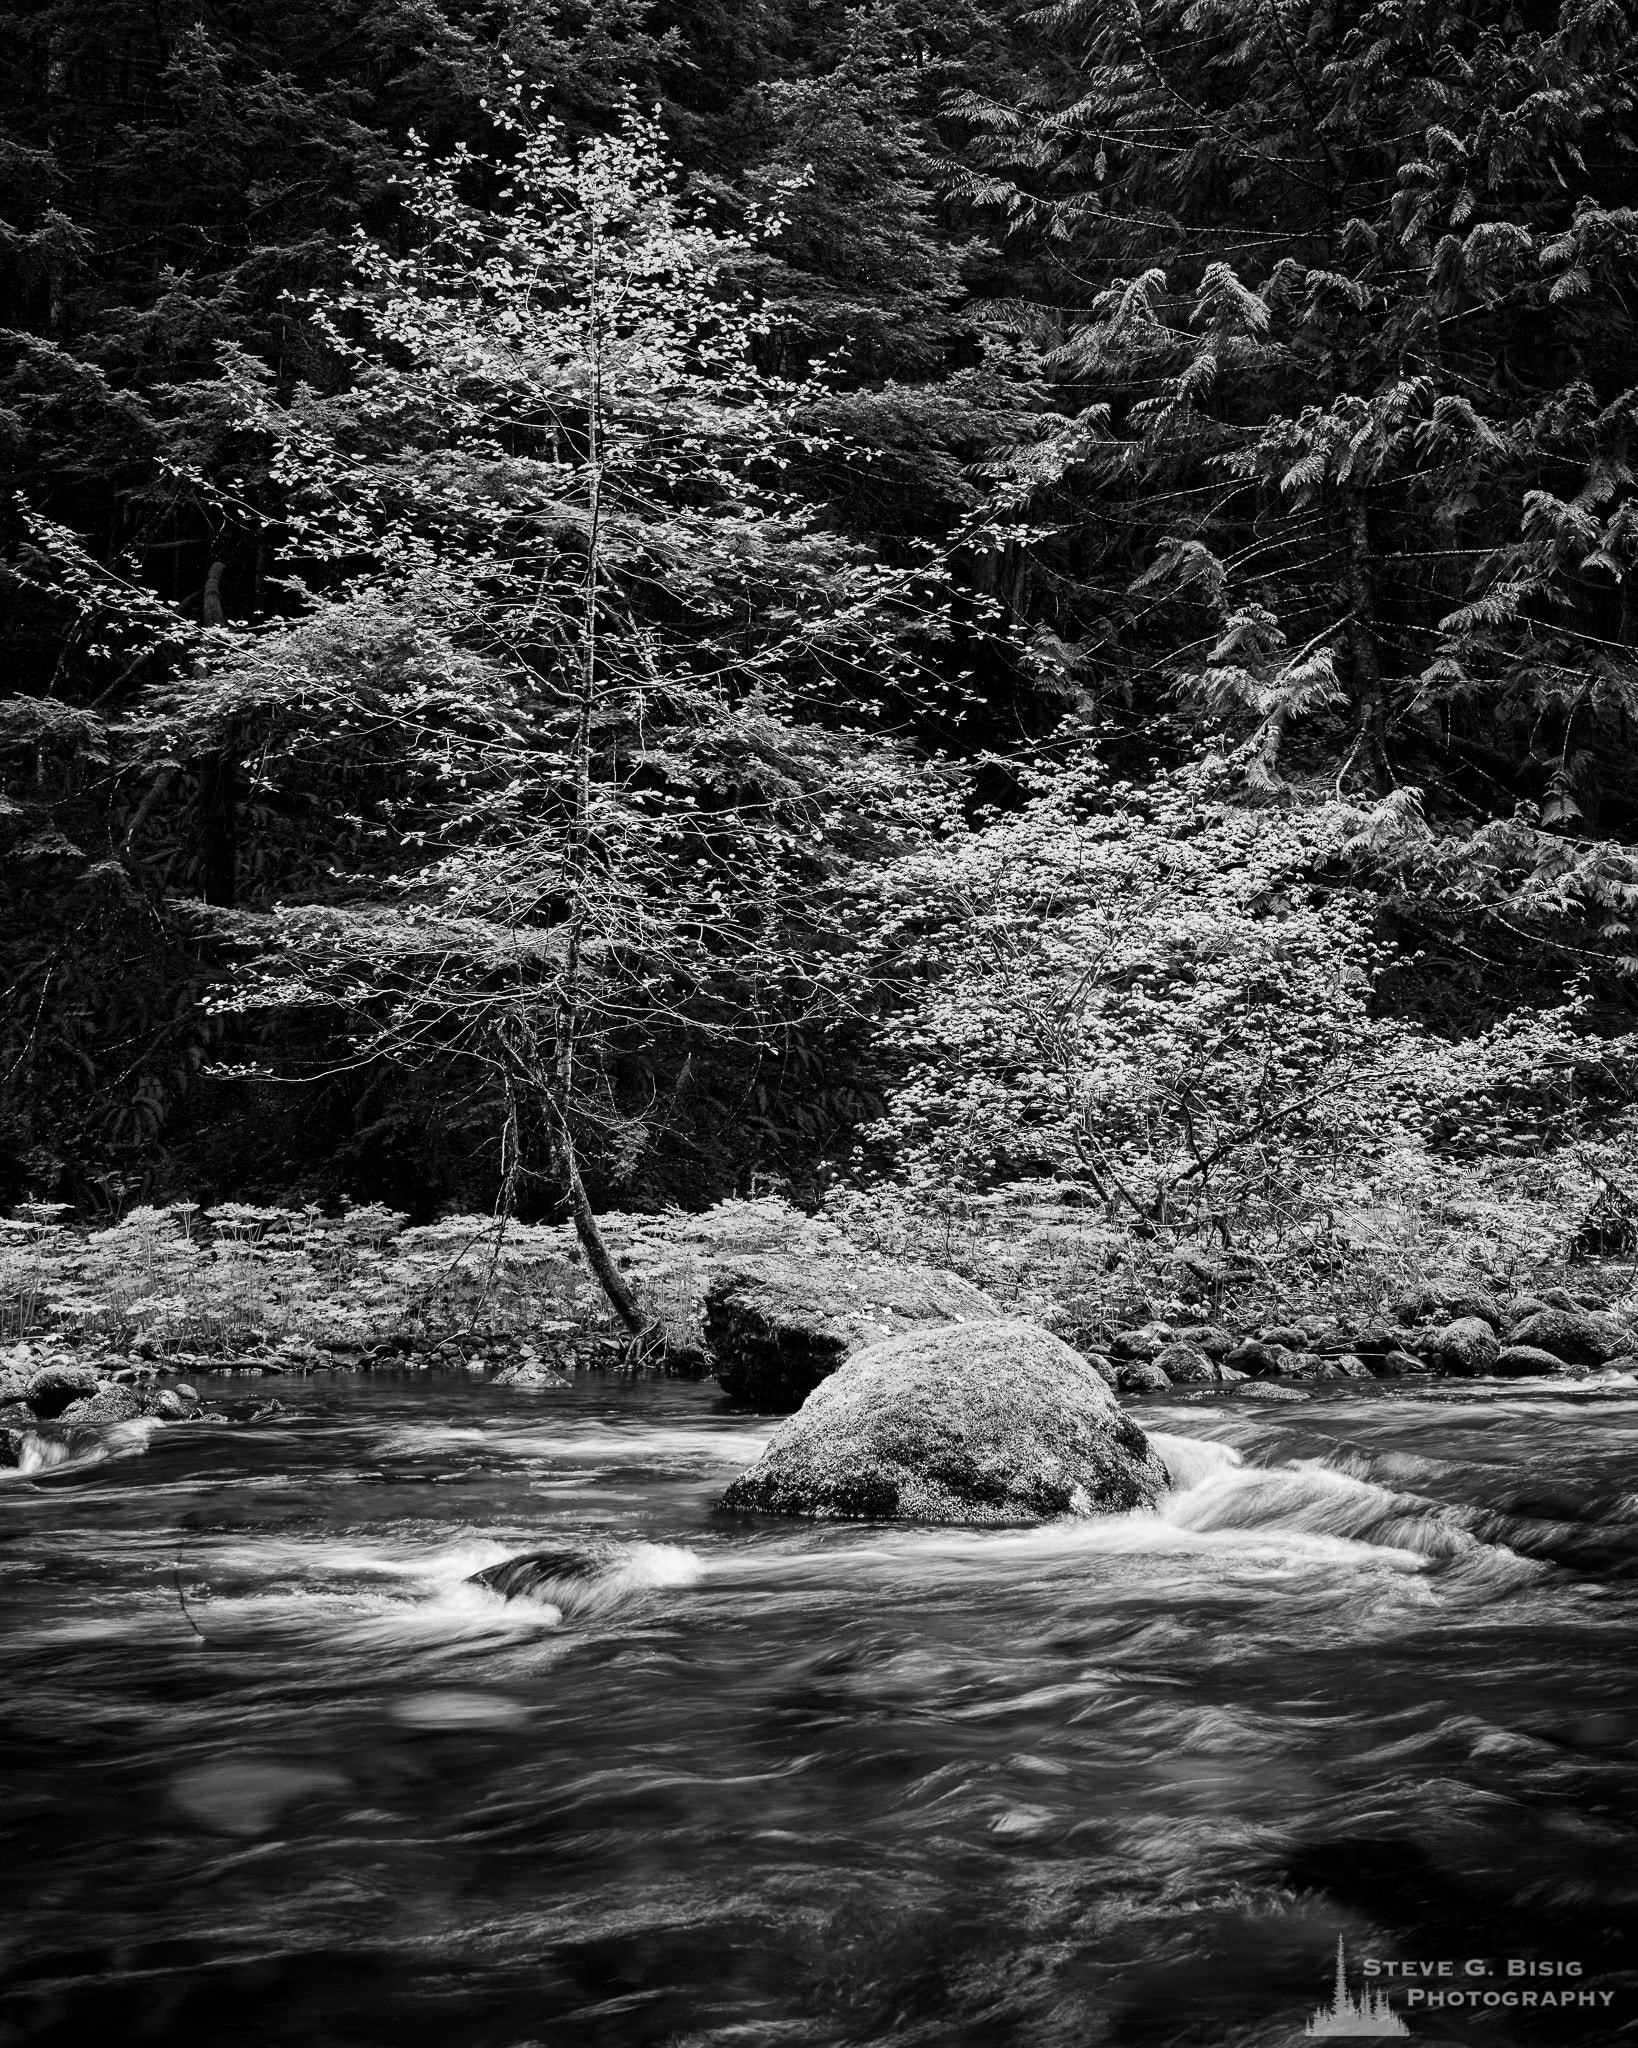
column 619, row 604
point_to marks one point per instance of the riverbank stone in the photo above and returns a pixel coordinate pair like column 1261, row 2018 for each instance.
column 1140, row 1376
column 55, row 1387
column 1310, row 1365
column 995, row 1422
column 778, row 1326
column 1467, row 1347
column 1448, row 1302
column 1525, row 1361
column 1185, row 1364
column 1257, row 1359
column 1575, row 1336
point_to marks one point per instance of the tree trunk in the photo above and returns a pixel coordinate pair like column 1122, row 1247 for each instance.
column 219, row 830
column 569, row 1022
column 1364, row 646
column 592, row 1242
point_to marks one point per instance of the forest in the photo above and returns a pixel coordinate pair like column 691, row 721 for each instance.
column 818, row 1023
column 913, row 609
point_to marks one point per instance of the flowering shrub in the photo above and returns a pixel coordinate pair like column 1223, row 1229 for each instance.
column 1168, row 997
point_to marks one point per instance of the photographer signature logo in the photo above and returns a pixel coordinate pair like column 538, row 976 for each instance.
column 1371, row 2013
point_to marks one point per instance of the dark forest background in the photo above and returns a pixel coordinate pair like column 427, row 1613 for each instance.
column 1243, row 389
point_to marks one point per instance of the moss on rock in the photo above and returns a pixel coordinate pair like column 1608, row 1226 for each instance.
column 986, row 1422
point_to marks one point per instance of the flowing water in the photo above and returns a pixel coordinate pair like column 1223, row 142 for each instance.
column 277, row 1772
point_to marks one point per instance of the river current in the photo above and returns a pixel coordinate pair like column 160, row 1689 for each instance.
column 277, row 1772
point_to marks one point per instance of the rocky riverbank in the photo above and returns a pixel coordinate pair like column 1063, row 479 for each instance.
column 1458, row 1331
column 769, row 1302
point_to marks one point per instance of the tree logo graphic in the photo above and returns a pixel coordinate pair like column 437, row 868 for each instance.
column 1370, row 2013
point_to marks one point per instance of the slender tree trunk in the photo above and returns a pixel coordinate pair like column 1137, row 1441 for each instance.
column 592, row 1241
column 1364, row 645
column 210, row 603
column 570, row 1017
column 56, row 272
column 219, row 829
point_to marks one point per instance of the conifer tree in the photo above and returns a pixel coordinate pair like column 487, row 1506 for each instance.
column 1337, row 307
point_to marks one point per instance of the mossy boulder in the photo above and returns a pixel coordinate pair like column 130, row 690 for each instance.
column 1577, row 1336
column 1187, row 1364
column 1526, row 1361
column 1448, row 1302
column 1467, row 1347
column 778, row 1325
column 55, row 1387
column 108, row 1404
column 983, row 1422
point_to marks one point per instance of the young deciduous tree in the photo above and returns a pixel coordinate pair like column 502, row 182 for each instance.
column 634, row 711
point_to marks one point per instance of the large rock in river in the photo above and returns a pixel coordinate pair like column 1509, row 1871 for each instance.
column 994, row 1422
column 778, row 1325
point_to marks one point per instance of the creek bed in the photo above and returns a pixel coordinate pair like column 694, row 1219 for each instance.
column 279, row 1773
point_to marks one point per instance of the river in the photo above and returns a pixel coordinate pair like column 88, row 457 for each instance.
column 278, row 1773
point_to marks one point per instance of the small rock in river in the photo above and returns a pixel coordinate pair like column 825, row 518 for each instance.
column 111, row 1404
column 245, row 1795
column 529, row 1376
column 1140, row 1376
column 454, row 1710
column 1525, row 1361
